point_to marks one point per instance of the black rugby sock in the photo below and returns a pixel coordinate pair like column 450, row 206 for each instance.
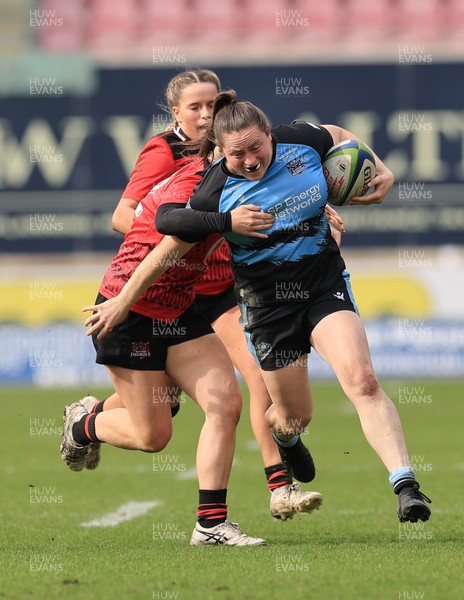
column 277, row 476
column 83, row 431
column 212, row 507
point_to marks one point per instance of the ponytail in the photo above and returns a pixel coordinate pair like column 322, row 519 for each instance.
column 208, row 142
column 229, row 116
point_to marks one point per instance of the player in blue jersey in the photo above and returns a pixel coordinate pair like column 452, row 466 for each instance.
column 291, row 283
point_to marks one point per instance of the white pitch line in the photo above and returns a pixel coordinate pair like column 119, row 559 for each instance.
column 251, row 445
column 192, row 473
column 188, row 474
column 126, row 512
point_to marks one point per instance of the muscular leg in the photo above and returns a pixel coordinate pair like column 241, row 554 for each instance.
column 340, row 339
column 228, row 328
column 114, row 401
column 204, row 371
column 290, row 391
column 145, row 423
column 286, row 498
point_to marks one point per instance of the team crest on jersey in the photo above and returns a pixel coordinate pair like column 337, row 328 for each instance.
column 262, row 350
column 295, row 166
column 140, row 350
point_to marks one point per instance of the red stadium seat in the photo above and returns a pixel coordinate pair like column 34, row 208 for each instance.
column 325, row 19
column 368, row 20
column 217, row 20
column 270, row 20
column 165, row 22
column 454, row 23
column 420, row 21
column 62, row 26
column 113, row 24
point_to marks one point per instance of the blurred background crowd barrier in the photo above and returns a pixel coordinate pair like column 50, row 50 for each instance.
column 82, row 89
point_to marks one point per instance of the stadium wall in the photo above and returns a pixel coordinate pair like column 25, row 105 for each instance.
column 80, row 150
column 64, row 161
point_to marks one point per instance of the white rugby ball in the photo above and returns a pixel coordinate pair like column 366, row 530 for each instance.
column 348, row 169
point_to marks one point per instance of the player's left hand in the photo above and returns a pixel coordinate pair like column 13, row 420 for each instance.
column 337, row 235
column 249, row 220
column 334, row 219
column 382, row 184
column 105, row 317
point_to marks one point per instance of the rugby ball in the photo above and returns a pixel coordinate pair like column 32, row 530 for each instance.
column 348, row 169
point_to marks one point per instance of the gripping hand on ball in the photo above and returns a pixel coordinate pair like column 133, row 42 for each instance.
column 382, row 184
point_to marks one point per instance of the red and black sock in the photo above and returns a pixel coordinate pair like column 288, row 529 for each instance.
column 98, row 408
column 277, row 476
column 212, row 507
column 83, row 431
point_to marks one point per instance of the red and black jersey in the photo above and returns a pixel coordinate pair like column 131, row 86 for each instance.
column 174, row 292
column 163, row 155
column 219, row 276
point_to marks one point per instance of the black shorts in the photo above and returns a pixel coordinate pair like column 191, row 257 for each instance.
column 279, row 335
column 141, row 343
column 211, row 307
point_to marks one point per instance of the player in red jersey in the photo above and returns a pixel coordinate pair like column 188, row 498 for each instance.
column 162, row 334
column 190, row 96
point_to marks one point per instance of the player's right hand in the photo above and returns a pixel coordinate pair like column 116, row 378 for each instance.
column 105, row 317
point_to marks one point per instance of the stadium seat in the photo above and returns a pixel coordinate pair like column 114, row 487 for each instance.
column 454, row 23
column 217, row 20
column 270, row 20
column 366, row 20
column 420, row 21
column 65, row 25
column 113, row 24
column 165, row 22
column 325, row 19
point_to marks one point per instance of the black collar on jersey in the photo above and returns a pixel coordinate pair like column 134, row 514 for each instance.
column 180, row 134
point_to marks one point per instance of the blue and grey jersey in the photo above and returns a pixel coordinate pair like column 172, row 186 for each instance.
column 299, row 257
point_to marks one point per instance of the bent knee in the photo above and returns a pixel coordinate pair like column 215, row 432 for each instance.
column 226, row 410
column 295, row 424
column 365, row 384
column 154, row 443
column 233, row 409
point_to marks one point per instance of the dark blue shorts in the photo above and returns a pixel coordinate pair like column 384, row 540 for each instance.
column 279, row 335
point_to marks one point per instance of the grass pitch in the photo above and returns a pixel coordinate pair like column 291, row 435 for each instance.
column 353, row 548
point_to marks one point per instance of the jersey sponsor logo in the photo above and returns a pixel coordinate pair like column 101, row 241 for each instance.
column 298, row 202
column 340, row 296
column 295, row 166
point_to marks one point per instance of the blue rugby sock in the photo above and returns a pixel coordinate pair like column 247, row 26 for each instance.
column 286, row 444
column 400, row 477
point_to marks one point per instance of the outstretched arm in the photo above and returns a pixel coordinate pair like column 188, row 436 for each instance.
column 112, row 312
column 244, row 219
